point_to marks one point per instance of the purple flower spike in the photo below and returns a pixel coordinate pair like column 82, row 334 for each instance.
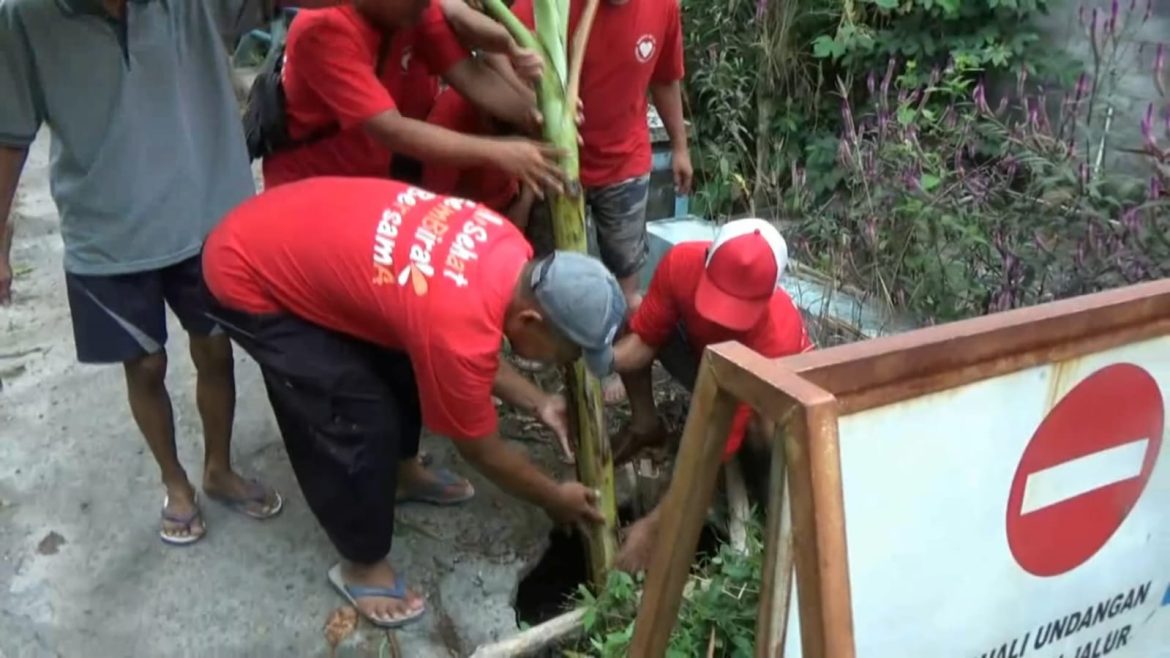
column 1148, row 130
column 1082, row 87
column 1160, row 68
column 1149, row 10
column 1093, row 27
column 980, row 98
column 1114, row 8
column 1129, row 219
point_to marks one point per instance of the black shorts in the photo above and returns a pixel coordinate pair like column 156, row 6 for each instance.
column 121, row 317
column 348, row 412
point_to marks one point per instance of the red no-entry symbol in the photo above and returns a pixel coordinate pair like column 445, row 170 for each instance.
column 1084, row 469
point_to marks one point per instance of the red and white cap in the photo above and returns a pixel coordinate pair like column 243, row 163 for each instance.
column 744, row 264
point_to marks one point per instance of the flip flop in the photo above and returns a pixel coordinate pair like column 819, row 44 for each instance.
column 181, row 520
column 354, row 592
column 256, row 494
column 436, row 493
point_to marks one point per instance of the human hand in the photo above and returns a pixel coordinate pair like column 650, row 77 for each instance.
column 684, row 173
column 5, row 281
column 634, row 555
column 528, row 63
column 574, row 503
column 554, row 413
column 534, row 163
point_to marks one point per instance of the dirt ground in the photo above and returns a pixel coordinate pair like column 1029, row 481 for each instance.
column 82, row 571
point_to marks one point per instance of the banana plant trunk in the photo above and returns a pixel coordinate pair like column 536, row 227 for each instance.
column 557, row 94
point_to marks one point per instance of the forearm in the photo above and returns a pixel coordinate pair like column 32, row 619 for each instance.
column 430, row 143
column 668, row 100
column 475, row 30
column 503, row 67
column 515, row 389
column 11, row 164
column 487, row 90
column 631, row 354
column 510, row 469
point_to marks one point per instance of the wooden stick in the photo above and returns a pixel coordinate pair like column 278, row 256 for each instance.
column 577, row 57
column 542, row 636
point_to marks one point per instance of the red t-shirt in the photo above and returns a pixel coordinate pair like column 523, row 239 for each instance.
column 388, row 263
column 670, row 302
column 487, row 185
column 330, row 80
column 630, row 46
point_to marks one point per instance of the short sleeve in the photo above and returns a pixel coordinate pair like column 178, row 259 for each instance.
column 739, row 425
column 339, row 69
column 670, row 67
column 455, row 392
column 658, row 316
column 22, row 111
column 436, row 41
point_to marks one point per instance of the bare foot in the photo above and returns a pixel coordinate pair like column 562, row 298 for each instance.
column 246, row 496
column 636, row 550
column 632, row 440
column 381, row 609
column 181, row 521
column 613, row 390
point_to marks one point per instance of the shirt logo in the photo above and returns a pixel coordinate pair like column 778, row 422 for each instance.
column 645, row 47
column 407, row 53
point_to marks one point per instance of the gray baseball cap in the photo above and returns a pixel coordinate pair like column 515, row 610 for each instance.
column 583, row 301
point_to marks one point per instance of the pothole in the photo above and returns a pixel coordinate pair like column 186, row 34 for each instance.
column 547, row 590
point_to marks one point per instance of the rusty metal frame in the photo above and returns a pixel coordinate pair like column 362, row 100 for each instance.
column 805, row 395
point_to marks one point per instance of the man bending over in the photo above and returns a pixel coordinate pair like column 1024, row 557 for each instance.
column 375, row 308
column 703, row 293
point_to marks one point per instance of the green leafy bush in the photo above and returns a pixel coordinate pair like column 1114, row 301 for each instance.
column 719, row 605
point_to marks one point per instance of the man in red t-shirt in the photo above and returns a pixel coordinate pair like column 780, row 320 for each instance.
column 703, row 293
column 635, row 46
column 375, row 308
column 349, row 118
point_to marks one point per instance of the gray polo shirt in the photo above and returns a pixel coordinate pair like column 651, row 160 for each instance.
column 147, row 147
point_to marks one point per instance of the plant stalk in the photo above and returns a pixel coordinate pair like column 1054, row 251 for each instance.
column 558, row 104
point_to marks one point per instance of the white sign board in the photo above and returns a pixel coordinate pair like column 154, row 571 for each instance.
column 1025, row 516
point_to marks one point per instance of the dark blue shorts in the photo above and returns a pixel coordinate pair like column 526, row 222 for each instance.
column 123, row 317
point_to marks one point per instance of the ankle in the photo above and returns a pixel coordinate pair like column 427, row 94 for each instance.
column 356, row 571
column 215, row 472
column 177, row 484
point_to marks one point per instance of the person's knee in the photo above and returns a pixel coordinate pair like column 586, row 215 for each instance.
column 212, row 355
column 149, row 371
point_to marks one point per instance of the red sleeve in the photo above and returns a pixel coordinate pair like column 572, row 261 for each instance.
column 670, row 67
column 461, row 410
column 334, row 62
column 658, row 316
column 739, row 425
column 436, row 41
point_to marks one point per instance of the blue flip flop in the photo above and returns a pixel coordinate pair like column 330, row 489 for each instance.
column 256, row 494
column 354, row 592
column 435, row 493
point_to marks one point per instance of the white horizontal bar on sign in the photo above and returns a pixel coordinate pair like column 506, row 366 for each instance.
column 1057, row 484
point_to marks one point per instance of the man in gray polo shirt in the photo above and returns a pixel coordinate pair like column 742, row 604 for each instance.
column 147, row 155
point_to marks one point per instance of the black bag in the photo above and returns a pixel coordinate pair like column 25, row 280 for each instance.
column 265, row 116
